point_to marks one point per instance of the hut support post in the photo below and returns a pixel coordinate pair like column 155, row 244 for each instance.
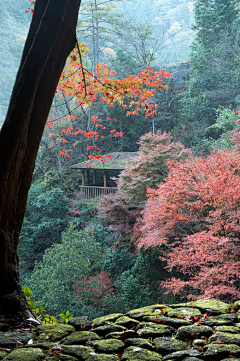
column 105, row 179
column 83, row 177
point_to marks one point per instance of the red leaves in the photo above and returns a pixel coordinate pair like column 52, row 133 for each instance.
column 198, row 206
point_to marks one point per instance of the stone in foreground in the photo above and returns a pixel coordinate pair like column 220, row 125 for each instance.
column 133, row 353
column 108, row 346
column 13, row 338
column 214, row 352
column 166, row 345
column 79, row 338
column 51, row 332
column 23, row 354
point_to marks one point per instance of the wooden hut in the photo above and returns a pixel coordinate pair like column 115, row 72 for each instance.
column 116, row 161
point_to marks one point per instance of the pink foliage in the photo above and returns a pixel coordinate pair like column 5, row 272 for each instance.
column 195, row 213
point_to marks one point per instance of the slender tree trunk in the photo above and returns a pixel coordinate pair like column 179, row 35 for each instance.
column 51, row 38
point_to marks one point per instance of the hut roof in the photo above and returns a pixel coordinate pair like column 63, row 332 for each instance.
column 111, row 161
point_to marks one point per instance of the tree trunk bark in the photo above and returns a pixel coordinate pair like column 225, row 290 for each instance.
column 51, row 38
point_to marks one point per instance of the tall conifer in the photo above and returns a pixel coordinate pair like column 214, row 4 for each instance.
column 214, row 61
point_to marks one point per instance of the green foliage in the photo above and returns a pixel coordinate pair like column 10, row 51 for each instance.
column 38, row 311
column 66, row 318
column 45, row 219
column 225, row 123
column 214, row 61
column 53, row 280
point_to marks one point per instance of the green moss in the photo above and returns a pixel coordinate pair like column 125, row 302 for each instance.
column 133, row 353
column 212, row 306
column 115, row 335
column 166, row 345
column 127, row 322
column 108, row 346
column 2, row 354
column 103, row 357
column 178, row 355
column 150, row 329
column 227, row 337
column 79, row 338
column 80, row 352
column 214, row 352
column 104, row 330
column 174, row 322
column 23, row 354
column 139, row 342
column 230, row 329
column 193, row 331
column 51, row 332
column 108, row 318
column 184, row 311
column 60, row 358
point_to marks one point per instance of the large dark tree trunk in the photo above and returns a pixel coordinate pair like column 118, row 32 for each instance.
column 51, row 38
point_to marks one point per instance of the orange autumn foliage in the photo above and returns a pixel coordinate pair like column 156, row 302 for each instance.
column 134, row 93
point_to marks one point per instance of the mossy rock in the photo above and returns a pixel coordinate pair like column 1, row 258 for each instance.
column 237, row 303
column 115, row 335
column 126, row 321
column 60, row 358
column 173, row 322
column 104, row 330
column 184, row 312
column 230, row 329
column 231, row 359
column 215, row 322
column 52, row 332
column 214, row 307
column 9, row 339
column 214, row 352
column 238, row 315
column 178, row 305
column 193, row 331
column 24, row 354
column 179, row 355
column 191, row 359
column 78, row 351
column 2, row 354
column 103, row 357
column 166, row 345
column 79, row 338
column 108, row 346
column 139, row 313
column 199, row 342
column 42, row 345
column 140, row 342
column 101, row 321
column 81, row 323
column 133, row 353
column 227, row 316
column 227, row 337
column 150, row 329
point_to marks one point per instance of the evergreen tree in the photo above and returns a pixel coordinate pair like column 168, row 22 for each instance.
column 214, row 64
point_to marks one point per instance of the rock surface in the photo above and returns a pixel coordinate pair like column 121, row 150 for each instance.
column 203, row 330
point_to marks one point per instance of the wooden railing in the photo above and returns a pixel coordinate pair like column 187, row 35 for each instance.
column 94, row 192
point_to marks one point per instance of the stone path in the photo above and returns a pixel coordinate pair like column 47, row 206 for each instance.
column 202, row 330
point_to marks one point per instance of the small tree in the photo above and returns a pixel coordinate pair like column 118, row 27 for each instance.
column 148, row 169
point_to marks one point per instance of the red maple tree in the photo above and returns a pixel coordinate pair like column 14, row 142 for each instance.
column 195, row 214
